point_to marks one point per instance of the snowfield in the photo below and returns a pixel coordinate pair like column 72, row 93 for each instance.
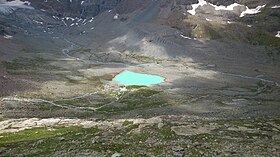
column 231, row 7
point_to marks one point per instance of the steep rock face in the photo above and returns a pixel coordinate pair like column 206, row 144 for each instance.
column 87, row 8
column 224, row 2
column 94, row 7
column 75, row 8
column 50, row 16
column 253, row 21
column 127, row 6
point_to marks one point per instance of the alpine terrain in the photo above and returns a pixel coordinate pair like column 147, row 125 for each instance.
column 134, row 78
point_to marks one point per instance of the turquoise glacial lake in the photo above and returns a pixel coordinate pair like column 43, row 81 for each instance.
column 129, row 78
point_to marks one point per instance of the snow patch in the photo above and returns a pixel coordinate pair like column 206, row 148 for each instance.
column 221, row 7
column 73, row 24
column 91, row 20
column 185, row 37
column 79, row 20
column 278, row 34
column 38, row 22
column 8, row 36
column 64, row 22
column 275, row 7
column 208, row 19
column 56, row 17
column 69, row 18
column 227, row 8
column 195, row 6
column 116, row 16
column 252, row 11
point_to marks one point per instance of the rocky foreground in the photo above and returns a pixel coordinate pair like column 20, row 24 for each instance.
column 157, row 136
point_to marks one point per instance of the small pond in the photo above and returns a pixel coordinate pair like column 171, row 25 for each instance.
column 129, row 78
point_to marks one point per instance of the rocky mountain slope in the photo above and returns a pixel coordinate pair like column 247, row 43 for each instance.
column 220, row 60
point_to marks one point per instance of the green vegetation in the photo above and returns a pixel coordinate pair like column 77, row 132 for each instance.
column 204, row 29
column 44, row 140
column 166, row 133
column 126, row 122
column 80, row 51
column 135, row 87
column 35, row 134
column 74, row 102
column 100, row 147
column 264, row 27
column 142, row 98
column 263, row 38
column 29, row 64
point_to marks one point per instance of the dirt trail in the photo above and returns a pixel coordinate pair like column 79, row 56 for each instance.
column 66, row 106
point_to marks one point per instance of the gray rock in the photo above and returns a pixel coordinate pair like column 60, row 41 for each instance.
column 61, row 139
column 178, row 154
column 116, row 155
column 189, row 130
column 160, row 125
column 177, row 148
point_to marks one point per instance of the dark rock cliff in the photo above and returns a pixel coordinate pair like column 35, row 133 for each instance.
column 75, row 8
